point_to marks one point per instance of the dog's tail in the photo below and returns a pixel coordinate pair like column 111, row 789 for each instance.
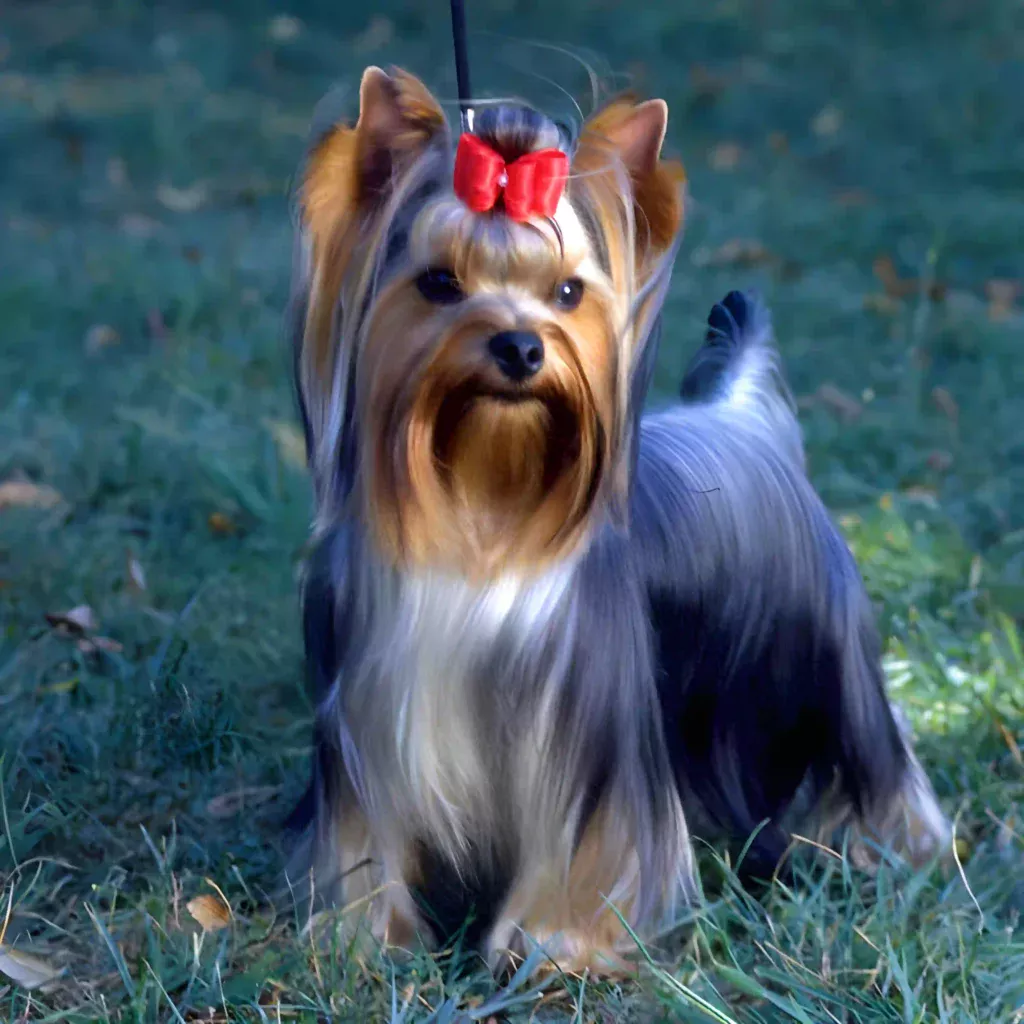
column 737, row 370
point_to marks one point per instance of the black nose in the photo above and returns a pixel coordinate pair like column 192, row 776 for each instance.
column 519, row 354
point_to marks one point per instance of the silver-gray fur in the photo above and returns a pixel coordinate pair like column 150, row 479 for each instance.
column 713, row 662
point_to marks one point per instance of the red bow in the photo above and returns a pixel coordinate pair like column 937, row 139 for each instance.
column 531, row 186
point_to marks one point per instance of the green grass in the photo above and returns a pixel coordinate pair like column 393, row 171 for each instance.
column 864, row 129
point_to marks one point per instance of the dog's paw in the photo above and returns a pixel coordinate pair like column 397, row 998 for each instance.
column 569, row 952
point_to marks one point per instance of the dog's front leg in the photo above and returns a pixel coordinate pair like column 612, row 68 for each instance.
column 572, row 912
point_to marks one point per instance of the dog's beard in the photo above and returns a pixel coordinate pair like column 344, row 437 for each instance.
column 499, row 455
column 492, row 479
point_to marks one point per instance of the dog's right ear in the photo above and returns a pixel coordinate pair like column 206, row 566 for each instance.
column 349, row 170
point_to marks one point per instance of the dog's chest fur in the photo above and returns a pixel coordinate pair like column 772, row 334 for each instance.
column 454, row 666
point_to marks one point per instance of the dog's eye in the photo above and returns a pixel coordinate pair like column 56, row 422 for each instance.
column 569, row 294
column 439, row 286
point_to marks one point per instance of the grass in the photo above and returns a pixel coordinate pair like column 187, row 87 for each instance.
column 145, row 158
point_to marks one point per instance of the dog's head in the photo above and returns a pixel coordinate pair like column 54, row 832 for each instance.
column 467, row 362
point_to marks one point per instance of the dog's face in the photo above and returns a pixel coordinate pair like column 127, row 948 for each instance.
column 485, row 362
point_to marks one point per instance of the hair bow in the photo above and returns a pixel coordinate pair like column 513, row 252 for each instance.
column 530, row 186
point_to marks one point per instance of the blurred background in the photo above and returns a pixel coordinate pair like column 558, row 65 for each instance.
column 860, row 162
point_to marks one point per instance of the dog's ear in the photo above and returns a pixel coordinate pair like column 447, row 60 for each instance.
column 350, row 168
column 635, row 133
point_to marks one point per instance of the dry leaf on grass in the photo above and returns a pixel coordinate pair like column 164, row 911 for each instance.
column 882, row 304
column 736, row 252
column 924, row 495
column 284, row 28
column 135, row 575
column 117, row 172
column 221, row 524
column 898, row 287
column 26, row 970
column 138, row 225
column 64, row 686
column 227, row 805
column 89, row 645
column 1002, row 296
column 726, row 156
column 827, row 121
column 99, row 337
column 839, row 403
column 291, row 445
column 155, row 324
column 25, row 494
column 81, row 619
column 182, row 200
column 946, row 404
column 210, row 912
column 80, row 624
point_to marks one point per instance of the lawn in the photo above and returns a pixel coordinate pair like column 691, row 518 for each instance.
column 862, row 163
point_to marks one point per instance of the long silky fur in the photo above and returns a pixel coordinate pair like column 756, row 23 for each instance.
column 708, row 656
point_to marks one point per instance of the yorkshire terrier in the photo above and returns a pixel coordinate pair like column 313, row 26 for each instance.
column 549, row 636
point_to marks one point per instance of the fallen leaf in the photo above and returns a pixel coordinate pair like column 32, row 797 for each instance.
column 284, row 28
column 827, row 121
column 737, row 252
column 974, row 576
column 845, row 406
column 182, row 200
column 89, row 645
column 898, row 287
column 134, row 574
column 946, row 404
column 885, row 270
column 885, row 502
column 375, row 36
column 882, row 304
column 64, row 686
column 210, row 912
column 291, row 445
column 726, row 156
column 924, row 495
column 138, row 225
column 221, row 524
column 99, row 337
column 25, row 494
column 155, row 324
column 117, row 172
column 1002, row 295
column 227, row 805
column 81, row 619
column 1011, row 742
column 26, row 970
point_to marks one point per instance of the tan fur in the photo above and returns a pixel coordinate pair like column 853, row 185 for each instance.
column 344, row 185
column 571, row 911
column 634, row 134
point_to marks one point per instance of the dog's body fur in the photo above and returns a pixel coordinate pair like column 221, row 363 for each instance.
column 531, row 747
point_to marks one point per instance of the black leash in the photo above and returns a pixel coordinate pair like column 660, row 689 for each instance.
column 461, row 61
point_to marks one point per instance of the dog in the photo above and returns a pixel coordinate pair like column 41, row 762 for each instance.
column 549, row 636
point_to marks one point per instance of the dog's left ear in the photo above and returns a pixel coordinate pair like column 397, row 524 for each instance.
column 635, row 133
